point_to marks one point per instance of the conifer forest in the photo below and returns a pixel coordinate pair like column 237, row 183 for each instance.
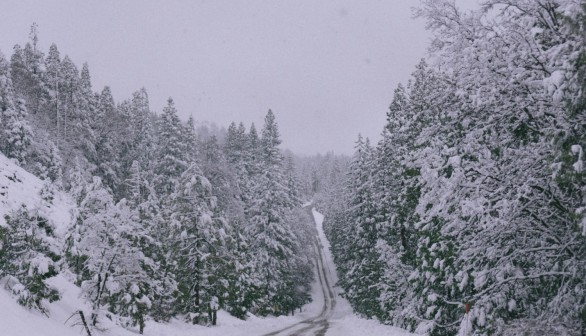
column 467, row 216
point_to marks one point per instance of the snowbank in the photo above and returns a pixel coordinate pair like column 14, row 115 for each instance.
column 15, row 320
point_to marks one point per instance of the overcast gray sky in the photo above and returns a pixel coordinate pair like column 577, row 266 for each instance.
column 326, row 68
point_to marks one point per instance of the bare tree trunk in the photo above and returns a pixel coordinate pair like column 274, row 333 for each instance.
column 83, row 321
column 141, row 323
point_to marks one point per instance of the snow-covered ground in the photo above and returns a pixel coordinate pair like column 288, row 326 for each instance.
column 15, row 320
column 19, row 187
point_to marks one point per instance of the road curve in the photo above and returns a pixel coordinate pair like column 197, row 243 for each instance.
column 319, row 324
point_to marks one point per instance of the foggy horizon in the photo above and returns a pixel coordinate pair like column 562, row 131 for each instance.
column 327, row 70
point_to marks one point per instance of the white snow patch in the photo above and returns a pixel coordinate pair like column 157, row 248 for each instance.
column 465, row 326
column 512, row 305
column 205, row 219
column 432, row 297
column 480, row 279
column 41, row 264
column 455, row 161
column 16, row 320
column 579, row 164
column 553, row 83
column 18, row 187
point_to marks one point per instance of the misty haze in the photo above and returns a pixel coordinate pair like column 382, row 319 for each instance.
column 288, row 168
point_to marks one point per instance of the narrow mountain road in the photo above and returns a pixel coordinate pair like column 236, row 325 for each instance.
column 335, row 317
column 319, row 324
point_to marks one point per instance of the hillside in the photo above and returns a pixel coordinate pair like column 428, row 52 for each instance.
column 18, row 187
column 22, row 188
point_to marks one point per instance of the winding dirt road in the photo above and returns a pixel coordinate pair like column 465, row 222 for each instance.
column 317, row 325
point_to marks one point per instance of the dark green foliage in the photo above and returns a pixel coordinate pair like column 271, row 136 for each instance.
column 27, row 257
column 475, row 194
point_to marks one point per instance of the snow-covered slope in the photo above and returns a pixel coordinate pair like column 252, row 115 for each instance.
column 18, row 187
column 16, row 320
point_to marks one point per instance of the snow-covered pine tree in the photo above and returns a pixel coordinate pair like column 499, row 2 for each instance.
column 45, row 159
column 68, row 97
column 108, row 125
column 103, row 249
column 393, row 217
column 136, row 280
column 15, row 132
column 297, row 293
column 29, row 256
column 154, row 242
column 362, row 263
column 84, row 135
column 139, row 140
column 242, row 289
column 191, row 140
column 274, row 241
column 506, row 157
column 229, row 206
column 292, row 182
column 171, row 152
column 252, row 151
column 239, row 152
column 233, row 145
column 27, row 72
column 198, row 238
column 51, row 80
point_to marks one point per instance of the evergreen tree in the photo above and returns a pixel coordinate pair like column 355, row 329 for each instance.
column 171, row 156
column 274, row 241
column 198, row 242
column 51, row 80
column 104, row 249
column 106, row 125
column 473, row 184
column 29, row 258
column 28, row 71
column 153, row 242
column 292, row 182
column 15, row 132
column 191, row 141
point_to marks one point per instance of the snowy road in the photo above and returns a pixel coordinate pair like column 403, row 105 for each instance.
column 335, row 317
column 327, row 315
column 319, row 324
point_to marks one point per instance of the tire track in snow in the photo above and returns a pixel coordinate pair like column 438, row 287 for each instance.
column 319, row 324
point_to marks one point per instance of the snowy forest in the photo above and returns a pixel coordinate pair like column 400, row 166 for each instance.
column 168, row 222
column 467, row 217
column 475, row 196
